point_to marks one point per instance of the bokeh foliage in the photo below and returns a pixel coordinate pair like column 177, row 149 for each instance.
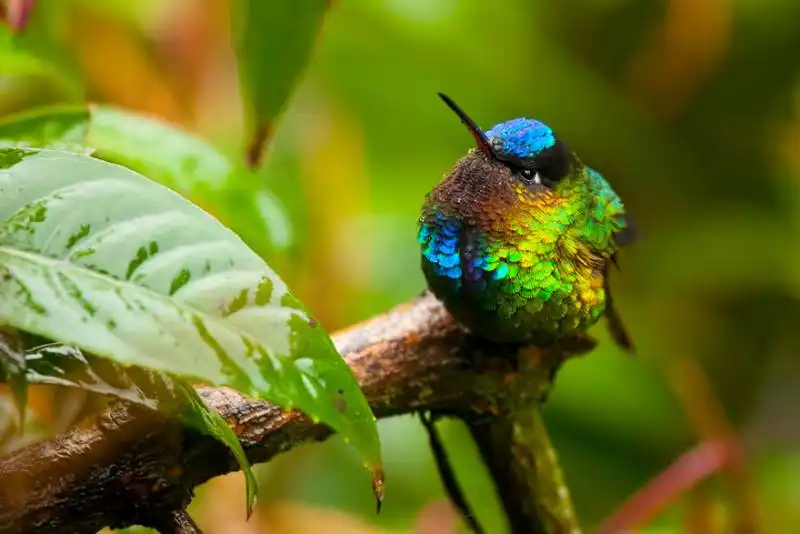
column 691, row 109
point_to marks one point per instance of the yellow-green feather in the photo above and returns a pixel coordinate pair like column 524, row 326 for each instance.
column 533, row 270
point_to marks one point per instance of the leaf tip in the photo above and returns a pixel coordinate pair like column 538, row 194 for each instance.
column 252, row 493
column 377, row 489
column 258, row 145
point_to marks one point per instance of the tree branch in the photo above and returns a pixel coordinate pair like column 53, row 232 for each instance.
column 132, row 466
column 516, row 448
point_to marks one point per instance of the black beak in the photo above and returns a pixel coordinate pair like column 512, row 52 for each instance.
column 477, row 133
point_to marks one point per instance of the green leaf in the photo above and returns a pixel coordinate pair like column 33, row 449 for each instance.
column 65, row 365
column 95, row 255
column 17, row 60
column 273, row 41
column 57, row 127
column 174, row 157
column 194, row 168
column 38, row 57
column 13, row 370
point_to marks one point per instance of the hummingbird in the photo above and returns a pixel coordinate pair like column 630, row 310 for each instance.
column 518, row 237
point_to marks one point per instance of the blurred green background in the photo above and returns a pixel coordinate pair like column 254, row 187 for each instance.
column 690, row 108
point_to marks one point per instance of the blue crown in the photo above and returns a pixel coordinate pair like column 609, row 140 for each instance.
column 520, row 138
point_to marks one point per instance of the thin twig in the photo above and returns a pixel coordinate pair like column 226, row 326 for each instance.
column 178, row 522
column 687, row 471
column 707, row 416
column 447, row 475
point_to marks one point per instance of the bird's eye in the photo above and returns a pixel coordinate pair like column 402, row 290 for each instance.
column 530, row 176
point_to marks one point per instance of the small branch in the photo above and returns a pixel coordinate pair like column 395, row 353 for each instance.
column 447, row 475
column 179, row 523
column 517, row 449
column 130, row 466
column 690, row 469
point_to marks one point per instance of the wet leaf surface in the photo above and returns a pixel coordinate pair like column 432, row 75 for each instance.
column 97, row 256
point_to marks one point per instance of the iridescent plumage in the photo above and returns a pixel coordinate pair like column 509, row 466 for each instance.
column 517, row 238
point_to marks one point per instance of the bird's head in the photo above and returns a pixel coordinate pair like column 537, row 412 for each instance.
column 517, row 166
